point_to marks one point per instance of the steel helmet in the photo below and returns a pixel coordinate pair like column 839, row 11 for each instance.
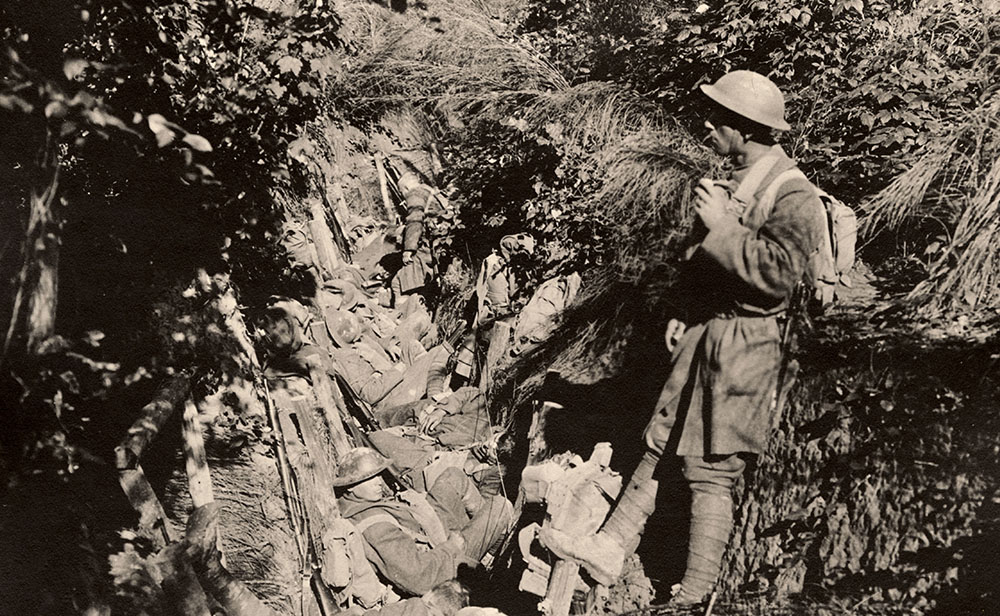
column 344, row 327
column 359, row 464
column 750, row 95
column 291, row 312
column 350, row 294
column 519, row 242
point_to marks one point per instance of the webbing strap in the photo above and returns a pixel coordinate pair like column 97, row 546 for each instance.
column 372, row 520
column 766, row 202
column 758, row 171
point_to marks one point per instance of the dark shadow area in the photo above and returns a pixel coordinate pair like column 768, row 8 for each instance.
column 617, row 410
column 978, row 568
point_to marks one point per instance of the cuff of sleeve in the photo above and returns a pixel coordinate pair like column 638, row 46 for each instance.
column 718, row 241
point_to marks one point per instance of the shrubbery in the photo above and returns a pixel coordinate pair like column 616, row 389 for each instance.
column 873, row 87
column 170, row 125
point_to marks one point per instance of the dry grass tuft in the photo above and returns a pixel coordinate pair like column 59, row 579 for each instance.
column 955, row 181
column 466, row 66
column 958, row 183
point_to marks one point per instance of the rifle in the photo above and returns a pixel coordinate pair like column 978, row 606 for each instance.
column 788, row 368
column 361, row 411
column 487, row 323
column 356, row 407
column 457, row 335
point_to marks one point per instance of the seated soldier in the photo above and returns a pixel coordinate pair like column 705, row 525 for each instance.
column 417, row 541
column 421, row 459
column 454, row 419
column 458, row 422
column 372, row 373
column 362, row 362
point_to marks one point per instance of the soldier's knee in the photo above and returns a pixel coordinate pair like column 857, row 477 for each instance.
column 716, row 474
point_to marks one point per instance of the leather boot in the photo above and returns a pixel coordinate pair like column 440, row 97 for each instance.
column 599, row 554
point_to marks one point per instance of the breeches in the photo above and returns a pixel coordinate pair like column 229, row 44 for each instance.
column 453, row 495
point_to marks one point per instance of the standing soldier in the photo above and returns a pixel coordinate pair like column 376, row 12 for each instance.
column 423, row 212
column 761, row 227
column 497, row 286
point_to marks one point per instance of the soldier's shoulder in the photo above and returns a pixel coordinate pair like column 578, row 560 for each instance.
column 798, row 186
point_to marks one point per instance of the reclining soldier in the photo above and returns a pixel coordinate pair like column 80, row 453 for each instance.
column 416, row 541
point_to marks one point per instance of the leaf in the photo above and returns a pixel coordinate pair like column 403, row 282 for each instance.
column 93, row 337
column 156, row 122
column 197, row 142
column 290, row 64
column 276, row 89
column 15, row 103
column 55, row 109
column 307, row 89
column 325, row 65
column 301, row 149
column 165, row 137
column 100, row 117
column 74, row 68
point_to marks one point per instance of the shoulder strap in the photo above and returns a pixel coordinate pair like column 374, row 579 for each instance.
column 378, row 518
column 424, row 514
column 767, row 200
column 748, row 187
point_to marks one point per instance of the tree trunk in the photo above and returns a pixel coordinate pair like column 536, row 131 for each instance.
column 33, row 319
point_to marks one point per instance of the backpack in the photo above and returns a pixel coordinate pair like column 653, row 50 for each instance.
column 833, row 260
column 345, row 567
column 838, row 248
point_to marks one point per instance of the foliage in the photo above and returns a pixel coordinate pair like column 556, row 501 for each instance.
column 874, row 89
column 168, row 125
column 178, row 114
column 525, row 149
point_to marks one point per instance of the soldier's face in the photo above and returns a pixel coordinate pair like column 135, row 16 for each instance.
column 371, row 489
column 279, row 334
column 723, row 138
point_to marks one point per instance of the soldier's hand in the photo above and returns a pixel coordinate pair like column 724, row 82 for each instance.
column 430, row 421
column 710, row 203
column 407, row 257
column 455, row 543
column 675, row 329
column 656, row 435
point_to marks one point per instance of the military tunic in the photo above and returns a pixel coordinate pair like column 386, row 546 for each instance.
column 717, row 398
column 408, row 562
